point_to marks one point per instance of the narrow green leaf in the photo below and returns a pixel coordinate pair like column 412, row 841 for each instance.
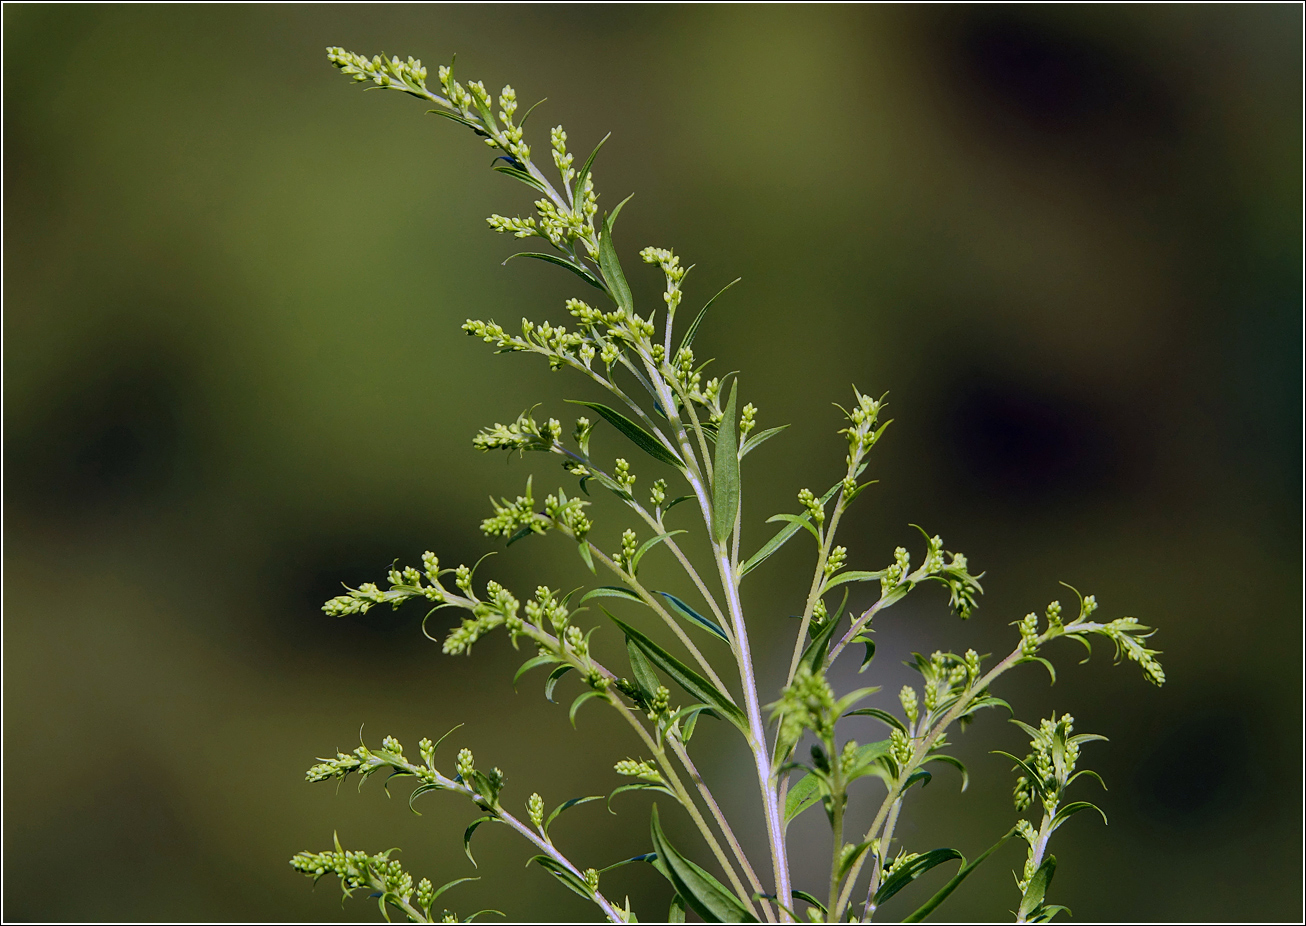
column 472, row 918
column 955, row 763
column 758, row 439
column 870, row 650
column 913, row 870
column 920, row 775
column 725, row 472
column 585, row 171
column 688, row 339
column 676, row 501
column 467, row 837
column 641, row 438
column 851, row 575
column 534, row 663
column 814, row 655
column 584, row 549
column 645, row 677
column 575, row 705
column 1038, row 887
column 878, row 714
column 677, row 912
column 567, row 805
column 1033, row 777
column 1039, row 659
column 704, row 893
column 867, row 761
column 611, row 591
column 929, row 906
column 519, row 174
column 553, row 680
column 807, row 792
column 808, row 898
column 648, row 545
column 457, row 118
column 640, row 786
column 1065, row 813
column 580, row 271
column 796, row 521
column 697, row 686
column 646, row 857
column 693, row 615
column 565, row 875
column 783, row 536
column 444, row 887
column 618, row 288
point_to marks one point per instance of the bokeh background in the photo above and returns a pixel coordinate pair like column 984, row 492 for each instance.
column 1065, row 240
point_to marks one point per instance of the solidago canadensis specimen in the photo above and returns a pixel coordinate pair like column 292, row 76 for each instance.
column 699, row 437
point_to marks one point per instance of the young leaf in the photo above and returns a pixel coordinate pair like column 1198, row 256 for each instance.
column 697, row 686
column 646, row 857
column 955, row 763
column 611, row 266
column 534, row 663
column 693, row 615
column 757, row 439
column 640, row 786
column 1065, row 813
column 808, row 898
column 553, row 680
column 814, row 656
column 585, row 170
column 704, row 893
column 912, row 870
column 796, row 521
column 944, row 892
column 641, row 438
column 645, row 677
column 806, row 793
column 878, row 714
column 467, row 837
column 648, row 545
column 870, row 650
column 611, row 591
column 563, row 874
column 561, row 262
column 1038, row 888
column 521, row 175
column 782, row 537
column 584, row 548
column 698, row 319
column 677, row 912
column 851, row 575
column 567, row 805
column 725, row 473
column 852, row 857
column 575, row 705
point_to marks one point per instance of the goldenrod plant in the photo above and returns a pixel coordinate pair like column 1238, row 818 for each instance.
column 667, row 412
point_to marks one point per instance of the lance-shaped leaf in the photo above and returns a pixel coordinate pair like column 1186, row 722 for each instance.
column 641, row 438
column 641, row 786
column 1037, row 888
column 553, row 680
column 585, row 170
column 645, row 677
column 725, row 473
column 575, row 705
column 684, row 609
column 814, row 656
column 702, row 892
column 567, row 805
column 1065, row 813
column 955, row 763
column 880, row 715
column 698, row 687
column 910, row 871
column 564, row 874
column 577, row 269
column 611, row 591
column 646, row 857
column 852, row 575
column 533, row 663
column 519, row 174
column 757, row 439
column 618, row 288
column 779, row 540
column 853, row 857
column 698, row 319
column 946, row 891
column 648, row 545
column 807, row 792
column 467, row 837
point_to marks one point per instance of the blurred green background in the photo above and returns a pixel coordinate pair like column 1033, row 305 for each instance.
column 1066, row 240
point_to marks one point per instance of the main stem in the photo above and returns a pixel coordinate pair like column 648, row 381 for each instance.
column 757, row 729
